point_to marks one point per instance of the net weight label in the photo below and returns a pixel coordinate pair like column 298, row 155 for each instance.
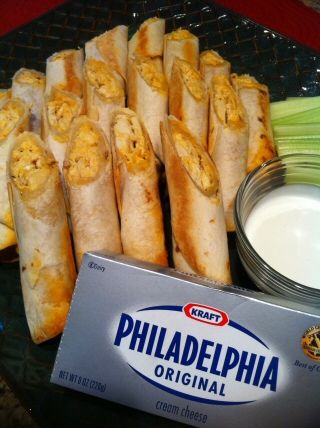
column 82, row 381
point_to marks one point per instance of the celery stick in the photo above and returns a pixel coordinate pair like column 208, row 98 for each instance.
column 308, row 116
column 297, row 146
column 292, row 106
column 296, row 142
column 302, row 148
column 308, row 130
column 307, row 138
column 283, row 151
column 303, row 175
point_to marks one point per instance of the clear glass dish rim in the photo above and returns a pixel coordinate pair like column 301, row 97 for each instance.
column 286, row 284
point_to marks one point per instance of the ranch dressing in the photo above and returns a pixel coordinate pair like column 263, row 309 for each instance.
column 284, row 229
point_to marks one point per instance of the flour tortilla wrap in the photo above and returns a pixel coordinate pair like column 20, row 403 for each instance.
column 111, row 47
column 29, row 86
column 181, row 44
column 136, row 178
column 228, row 141
column 14, row 118
column 188, row 99
column 46, row 263
column 104, row 93
column 5, row 95
column 60, row 110
column 64, row 71
column 197, row 217
column 255, row 98
column 148, row 40
column 89, row 181
column 7, row 237
column 212, row 64
column 148, row 96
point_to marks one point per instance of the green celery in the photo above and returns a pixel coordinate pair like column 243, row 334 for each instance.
column 291, row 106
column 314, row 148
column 308, row 116
column 307, row 130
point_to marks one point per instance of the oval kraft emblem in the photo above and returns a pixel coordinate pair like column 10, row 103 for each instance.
column 206, row 314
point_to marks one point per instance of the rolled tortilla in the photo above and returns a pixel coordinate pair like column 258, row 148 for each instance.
column 111, row 47
column 60, row 109
column 188, row 99
column 46, row 263
column 29, row 86
column 136, row 181
column 228, row 141
column 148, row 96
column 64, row 71
column 255, row 99
column 212, row 64
column 89, row 180
column 5, row 95
column 181, row 44
column 104, row 93
column 7, row 237
column 147, row 42
column 14, row 118
column 197, row 217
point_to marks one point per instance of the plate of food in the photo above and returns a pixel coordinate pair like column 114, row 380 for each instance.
column 66, row 51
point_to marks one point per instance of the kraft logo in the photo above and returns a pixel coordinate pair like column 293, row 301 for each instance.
column 206, row 314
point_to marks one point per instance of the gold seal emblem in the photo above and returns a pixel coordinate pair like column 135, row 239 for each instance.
column 311, row 343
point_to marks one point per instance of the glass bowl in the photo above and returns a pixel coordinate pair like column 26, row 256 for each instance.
column 271, row 175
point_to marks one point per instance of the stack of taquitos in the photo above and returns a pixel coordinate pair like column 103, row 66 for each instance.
column 199, row 234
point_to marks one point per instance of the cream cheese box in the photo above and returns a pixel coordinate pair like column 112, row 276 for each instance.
column 181, row 347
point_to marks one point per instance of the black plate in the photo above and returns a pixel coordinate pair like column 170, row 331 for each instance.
column 288, row 68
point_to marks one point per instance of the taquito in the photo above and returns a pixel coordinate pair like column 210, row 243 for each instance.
column 147, row 42
column 60, row 109
column 111, row 47
column 14, row 118
column 29, row 86
column 197, row 217
column 228, row 141
column 47, row 269
column 88, row 177
column 212, row 64
column 255, row 99
column 7, row 237
column 136, row 179
column 181, row 44
column 64, row 71
column 188, row 99
column 103, row 91
column 148, row 96
column 5, row 95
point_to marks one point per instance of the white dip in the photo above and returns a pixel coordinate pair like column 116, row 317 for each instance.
column 284, row 229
